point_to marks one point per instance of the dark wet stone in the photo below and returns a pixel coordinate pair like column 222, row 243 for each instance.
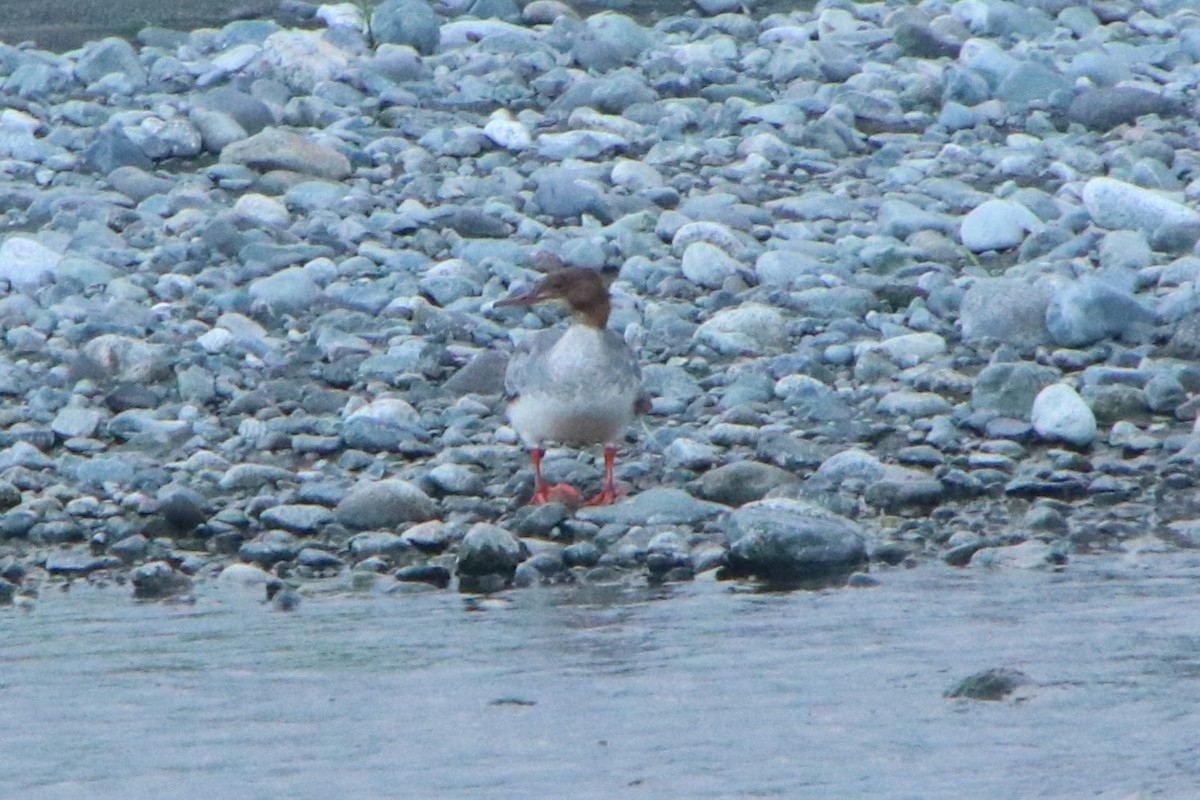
column 890, row 553
column 16, row 524
column 919, row 40
column 183, row 509
column 10, row 496
column 489, row 550
column 269, row 549
column 542, row 569
column 539, row 520
column 12, row 571
column 59, row 531
column 433, row 574
column 960, row 555
column 315, row 558
column 789, row 540
column 158, row 580
column 741, row 482
column 78, row 562
column 377, row 543
column 281, row 596
column 1058, row 486
column 581, row 554
column 7, row 592
column 300, row 518
column 131, row 549
column 429, row 537
column 894, row 495
column 991, row 684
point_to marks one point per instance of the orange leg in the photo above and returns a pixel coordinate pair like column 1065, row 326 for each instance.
column 543, row 492
column 609, row 493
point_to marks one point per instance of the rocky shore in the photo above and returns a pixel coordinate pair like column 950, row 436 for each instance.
column 908, row 282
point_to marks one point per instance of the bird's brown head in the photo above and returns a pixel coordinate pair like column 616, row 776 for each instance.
column 582, row 289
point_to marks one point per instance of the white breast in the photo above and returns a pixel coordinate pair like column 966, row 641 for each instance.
column 581, row 390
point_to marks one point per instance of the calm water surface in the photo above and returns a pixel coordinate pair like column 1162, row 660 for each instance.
column 704, row 691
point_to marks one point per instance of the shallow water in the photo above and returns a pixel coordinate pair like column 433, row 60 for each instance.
column 704, row 691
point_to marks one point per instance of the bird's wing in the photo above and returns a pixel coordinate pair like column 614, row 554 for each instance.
column 522, row 365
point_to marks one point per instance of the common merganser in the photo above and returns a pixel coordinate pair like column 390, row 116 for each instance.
column 577, row 385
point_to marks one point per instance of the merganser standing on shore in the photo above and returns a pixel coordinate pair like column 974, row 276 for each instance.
column 577, row 385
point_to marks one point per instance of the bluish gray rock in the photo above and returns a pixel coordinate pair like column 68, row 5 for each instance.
column 1009, row 388
column 111, row 56
column 384, row 504
column 1105, row 107
column 302, row 518
column 1116, row 204
column 741, row 482
column 409, row 22
column 1090, row 309
column 1007, row 310
column 608, row 41
column 657, row 506
column 278, row 149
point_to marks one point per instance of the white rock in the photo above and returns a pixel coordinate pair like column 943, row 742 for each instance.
column 996, row 225
column 215, row 340
column 1027, row 555
column 704, row 231
column 584, row 144
column 507, row 132
column 342, row 15
column 466, row 32
column 1060, row 414
column 748, row 329
column 910, row 349
column 304, row 58
column 387, row 408
column 1115, row 204
column 635, row 175
column 244, row 581
column 707, row 265
column 263, row 210
column 74, row 421
column 26, row 263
